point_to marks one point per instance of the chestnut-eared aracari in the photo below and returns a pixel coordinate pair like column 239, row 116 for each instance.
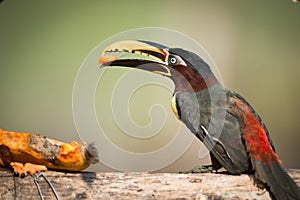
column 223, row 120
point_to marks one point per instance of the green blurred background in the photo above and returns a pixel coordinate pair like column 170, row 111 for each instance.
column 255, row 45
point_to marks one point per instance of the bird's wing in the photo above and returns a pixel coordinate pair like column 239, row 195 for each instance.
column 227, row 147
column 204, row 118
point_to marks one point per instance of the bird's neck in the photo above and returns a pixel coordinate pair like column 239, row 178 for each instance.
column 188, row 80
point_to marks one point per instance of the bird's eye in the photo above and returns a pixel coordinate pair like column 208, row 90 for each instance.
column 173, row 60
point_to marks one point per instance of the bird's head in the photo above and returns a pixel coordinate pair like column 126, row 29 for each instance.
column 189, row 72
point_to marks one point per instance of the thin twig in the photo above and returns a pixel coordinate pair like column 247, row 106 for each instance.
column 36, row 181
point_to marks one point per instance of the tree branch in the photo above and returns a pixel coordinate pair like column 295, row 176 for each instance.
column 88, row 185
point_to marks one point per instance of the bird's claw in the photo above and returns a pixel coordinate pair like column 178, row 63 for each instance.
column 199, row 169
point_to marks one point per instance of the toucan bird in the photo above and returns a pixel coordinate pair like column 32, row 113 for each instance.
column 223, row 120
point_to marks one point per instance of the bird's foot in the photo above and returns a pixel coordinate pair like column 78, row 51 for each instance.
column 23, row 170
column 199, row 169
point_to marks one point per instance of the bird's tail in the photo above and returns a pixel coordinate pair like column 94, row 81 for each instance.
column 277, row 181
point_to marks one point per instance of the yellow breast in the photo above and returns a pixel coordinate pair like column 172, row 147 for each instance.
column 174, row 107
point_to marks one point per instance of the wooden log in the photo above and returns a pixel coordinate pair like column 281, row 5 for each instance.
column 130, row 185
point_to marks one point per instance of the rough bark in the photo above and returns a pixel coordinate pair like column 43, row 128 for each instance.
column 89, row 185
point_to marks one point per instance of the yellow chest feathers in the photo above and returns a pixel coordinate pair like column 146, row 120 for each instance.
column 174, row 107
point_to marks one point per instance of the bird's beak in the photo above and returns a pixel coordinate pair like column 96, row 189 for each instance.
column 143, row 55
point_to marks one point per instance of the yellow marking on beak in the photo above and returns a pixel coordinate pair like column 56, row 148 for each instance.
column 125, row 45
column 136, row 47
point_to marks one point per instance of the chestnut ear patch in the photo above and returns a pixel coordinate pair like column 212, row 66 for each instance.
column 183, row 75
